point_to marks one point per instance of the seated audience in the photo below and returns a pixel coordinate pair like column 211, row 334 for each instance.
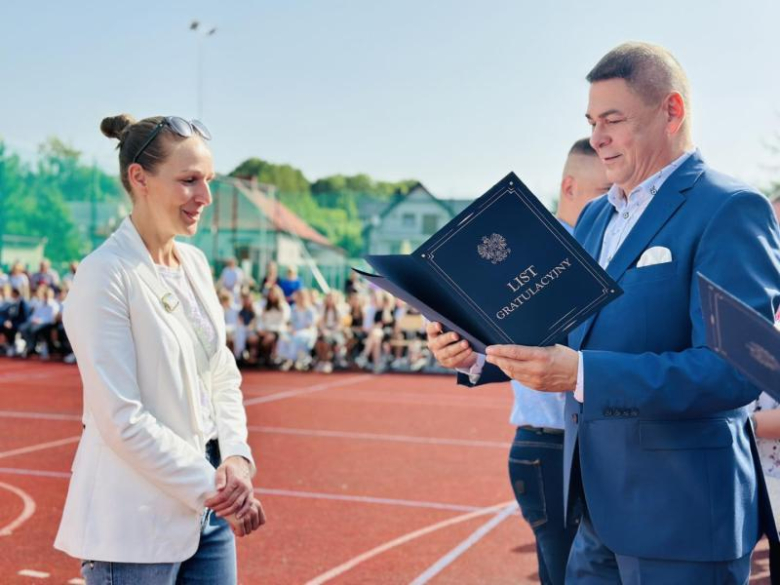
column 295, row 345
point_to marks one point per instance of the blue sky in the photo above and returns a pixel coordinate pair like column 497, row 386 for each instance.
column 454, row 93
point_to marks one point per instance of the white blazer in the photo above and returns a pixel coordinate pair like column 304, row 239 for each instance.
column 140, row 475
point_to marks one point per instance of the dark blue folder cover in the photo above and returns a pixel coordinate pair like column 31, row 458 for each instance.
column 502, row 271
column 741, row 336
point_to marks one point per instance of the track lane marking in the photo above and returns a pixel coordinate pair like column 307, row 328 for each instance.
column 39, row 415
column 306, row 390
column 27, row 511
column 367, row 500
column 355, row 561
column 378, row 437
column 461, row 548
column 33, row 574
column 289, row 493
column 380, row 398
column 35, row 472
column 40, row 447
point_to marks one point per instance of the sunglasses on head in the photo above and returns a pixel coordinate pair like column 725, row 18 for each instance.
column 180, row 126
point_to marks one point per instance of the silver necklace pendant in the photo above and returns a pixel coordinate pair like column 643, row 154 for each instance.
column 169, row 302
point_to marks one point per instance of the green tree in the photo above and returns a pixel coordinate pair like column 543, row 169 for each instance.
column 33, row 204
column 286, row 178
column 331, row 204
column 62, row 164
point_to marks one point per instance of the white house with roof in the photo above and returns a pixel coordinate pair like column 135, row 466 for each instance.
column 408, row 221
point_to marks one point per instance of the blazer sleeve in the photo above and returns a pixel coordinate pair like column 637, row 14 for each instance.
column 490, row 375
column 740, row 251
column 97, row 321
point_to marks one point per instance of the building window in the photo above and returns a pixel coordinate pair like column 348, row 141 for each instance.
column 407, row 220
column 430, row 224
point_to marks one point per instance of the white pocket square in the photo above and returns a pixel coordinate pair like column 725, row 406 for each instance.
column 654, row 255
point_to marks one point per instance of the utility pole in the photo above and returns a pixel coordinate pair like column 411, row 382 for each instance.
column 2, row 201
column 202, row 34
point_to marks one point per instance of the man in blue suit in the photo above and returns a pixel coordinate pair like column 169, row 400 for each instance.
column 658, row 443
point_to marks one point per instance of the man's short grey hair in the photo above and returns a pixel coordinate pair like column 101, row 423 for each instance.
column 649, row 70
column 582, row 146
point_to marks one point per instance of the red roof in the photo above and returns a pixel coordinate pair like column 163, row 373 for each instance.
column 285, row 220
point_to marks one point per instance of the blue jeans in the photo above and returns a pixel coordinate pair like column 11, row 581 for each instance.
column 214, row 563
column 536, row 473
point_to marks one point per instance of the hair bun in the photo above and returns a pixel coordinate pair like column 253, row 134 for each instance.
column 114, row 126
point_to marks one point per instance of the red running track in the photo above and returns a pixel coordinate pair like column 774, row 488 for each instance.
column 365, row 479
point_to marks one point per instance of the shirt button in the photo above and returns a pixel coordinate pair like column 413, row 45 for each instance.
column 625, row 215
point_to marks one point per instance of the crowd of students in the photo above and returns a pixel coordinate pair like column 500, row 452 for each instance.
column 31, row 309
column 276, row 323
column 279, row 323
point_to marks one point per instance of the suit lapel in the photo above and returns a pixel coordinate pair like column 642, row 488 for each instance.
column 658, row 212
column 592, row 242
column 135, row 253
column 663, row 206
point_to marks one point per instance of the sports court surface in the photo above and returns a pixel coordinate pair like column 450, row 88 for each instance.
column 390, row 479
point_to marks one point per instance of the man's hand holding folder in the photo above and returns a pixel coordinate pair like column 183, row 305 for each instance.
column 449, row 349
column 550, row 369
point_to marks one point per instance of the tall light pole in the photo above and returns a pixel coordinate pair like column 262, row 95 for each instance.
column 202, row 34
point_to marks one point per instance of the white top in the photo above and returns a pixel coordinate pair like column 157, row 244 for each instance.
column 230, row 277
column 19, row 281
column 45, row 312
column 274, row 320
column 205, row 332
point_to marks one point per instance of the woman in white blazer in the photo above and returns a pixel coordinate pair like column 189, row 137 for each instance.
column 163, row 470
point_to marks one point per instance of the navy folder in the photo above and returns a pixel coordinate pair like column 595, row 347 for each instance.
column 503, row 271
column 743, row 337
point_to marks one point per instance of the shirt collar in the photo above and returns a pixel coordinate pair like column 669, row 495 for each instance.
column 647, row 188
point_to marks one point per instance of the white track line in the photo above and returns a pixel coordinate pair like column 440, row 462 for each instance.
column 378, row 437
column 39, row 447
column 390, row 398
column 39, row 415
column 367, row 500
column 475, row 537
column 25, row 376
column 306, row 390
column 27, row 511
column 35, row 472
column 33, row 574
column 288, row 493
column 352, row 563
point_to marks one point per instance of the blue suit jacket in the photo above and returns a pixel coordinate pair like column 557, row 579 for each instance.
column 666, row 452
